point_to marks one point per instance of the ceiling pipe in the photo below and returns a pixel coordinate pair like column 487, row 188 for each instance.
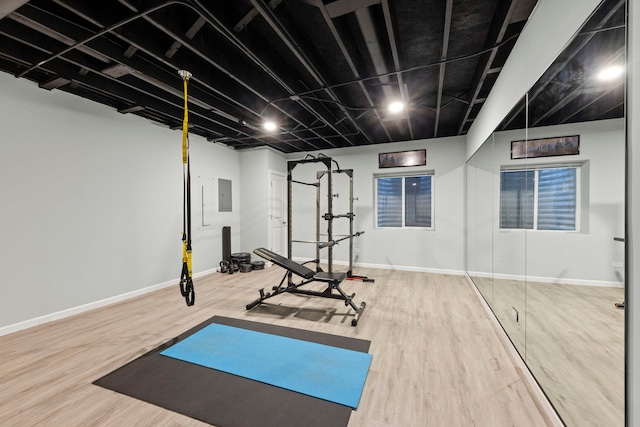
column 43, row 29
column 105, row 31
column 150, row 100
column 7, row 7
column 275, row 25
column 125, row 60
column 360, row 82
column 188, row 45
column 495, row 37
column 98, row 34
column 235, row 41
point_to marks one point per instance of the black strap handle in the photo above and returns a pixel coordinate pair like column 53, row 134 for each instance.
column 186, row 286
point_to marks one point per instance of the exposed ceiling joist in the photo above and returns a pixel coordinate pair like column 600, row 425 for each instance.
column 402, row 87
column 443, row 56
column 293, row 48
column 347, row 56
column 499, row 26
column 54, row 83
column 252, row 14
column 191, row 32
column 56, row 35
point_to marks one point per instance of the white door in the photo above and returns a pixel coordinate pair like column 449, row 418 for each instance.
column 277, row 212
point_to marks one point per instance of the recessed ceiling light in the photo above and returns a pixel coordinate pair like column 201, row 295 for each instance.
column 269, row 126
column 610, row 73
column 396, row 107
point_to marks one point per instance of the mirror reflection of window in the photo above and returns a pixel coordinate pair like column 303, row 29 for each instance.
column 541, row 230
column 540, row 199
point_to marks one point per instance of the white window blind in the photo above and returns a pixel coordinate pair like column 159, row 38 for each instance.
column 390, row 202
column 516, row 199
column 557, row 190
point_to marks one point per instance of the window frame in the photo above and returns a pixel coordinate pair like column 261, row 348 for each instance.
column 536, row 168
column 404, row 175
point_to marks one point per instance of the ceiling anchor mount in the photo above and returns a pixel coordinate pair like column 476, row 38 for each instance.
column 186, row 75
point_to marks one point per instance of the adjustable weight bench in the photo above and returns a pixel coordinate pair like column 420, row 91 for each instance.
column 332, row 279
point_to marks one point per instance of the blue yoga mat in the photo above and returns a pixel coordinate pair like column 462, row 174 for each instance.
column 317, row 370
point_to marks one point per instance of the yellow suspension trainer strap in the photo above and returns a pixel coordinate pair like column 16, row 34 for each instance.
column 186, row 282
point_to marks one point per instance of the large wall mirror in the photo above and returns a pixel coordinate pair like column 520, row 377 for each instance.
column 545, row 221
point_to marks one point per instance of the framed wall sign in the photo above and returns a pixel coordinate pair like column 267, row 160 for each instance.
column 546, row 147
column 402, row 158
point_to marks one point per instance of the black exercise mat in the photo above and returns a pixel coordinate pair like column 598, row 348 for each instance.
column 226, row 400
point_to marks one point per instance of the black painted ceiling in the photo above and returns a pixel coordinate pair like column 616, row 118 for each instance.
column 324, row 70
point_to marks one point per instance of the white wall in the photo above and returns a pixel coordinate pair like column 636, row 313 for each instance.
column 210, row 163
column 486, row 182
column 254, row 217
column 551, row 255
column 441, row 249
column 276, row 161
column 92, row 202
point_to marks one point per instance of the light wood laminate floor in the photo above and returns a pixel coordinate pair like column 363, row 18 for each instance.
column 437, row 360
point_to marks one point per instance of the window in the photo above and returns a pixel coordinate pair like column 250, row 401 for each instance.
column 539, row 199
column 404, row 201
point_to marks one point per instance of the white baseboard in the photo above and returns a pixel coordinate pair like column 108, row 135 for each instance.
column 556, row 280
column 390, row 267
column 542, row 402
column 5, row 330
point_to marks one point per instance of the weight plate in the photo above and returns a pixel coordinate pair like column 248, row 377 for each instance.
column 241, row 255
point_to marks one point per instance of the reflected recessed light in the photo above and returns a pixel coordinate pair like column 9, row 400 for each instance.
column 396, row 107
column 610, row 73
column 269, row 126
